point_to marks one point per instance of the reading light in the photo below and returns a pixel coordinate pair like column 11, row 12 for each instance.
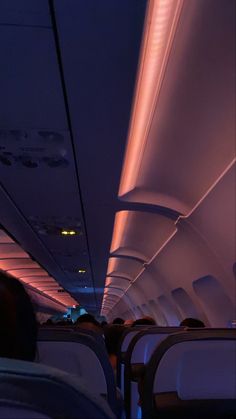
column 68, row 232
column 160, row 26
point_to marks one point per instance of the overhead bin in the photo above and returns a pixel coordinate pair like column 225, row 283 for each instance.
column 140, row 234
column 186, row 139
column 124, row 267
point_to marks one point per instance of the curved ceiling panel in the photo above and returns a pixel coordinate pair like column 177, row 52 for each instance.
column 112, row 299
column 113, row 291
column 124, row 267
column 182, row 153
column 117, row 282
column 6, row 264
column 22, row 273
column 35, row 279
column 12, row 250
column 17, row 263
column 219, row 229
column 131, row 230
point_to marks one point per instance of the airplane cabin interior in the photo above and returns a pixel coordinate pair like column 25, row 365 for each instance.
column 118, row 201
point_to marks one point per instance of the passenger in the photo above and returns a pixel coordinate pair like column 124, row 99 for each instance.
column 87, row 321
column 128, row 322
column 113, row 336
column 49, row 322
column 190, row 322
column 18, row 325
column 149, row 321
column 103, row 323
column 118, row 320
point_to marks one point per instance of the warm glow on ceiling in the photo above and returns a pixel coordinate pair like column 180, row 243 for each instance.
column 160, row 26
column 119, row 229
column 159, row 30
column 16, row 262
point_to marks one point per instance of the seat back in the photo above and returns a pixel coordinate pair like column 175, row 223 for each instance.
column 124, row 344
column 30, row 390
column 81, row 355
column 190, row 371
column 138, row 354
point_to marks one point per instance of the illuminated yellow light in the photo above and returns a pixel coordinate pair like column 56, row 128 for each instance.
column 160, row 26
column 68, row 232
column 81, row 271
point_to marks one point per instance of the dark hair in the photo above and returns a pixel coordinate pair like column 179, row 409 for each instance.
column 190, row 322
column 87, row 318
column 18, row 325
column 113, row 335
column 118, row 320
column 149, row 321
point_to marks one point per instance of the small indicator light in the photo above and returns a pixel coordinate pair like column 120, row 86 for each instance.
column 81, row 271
column 68, row 232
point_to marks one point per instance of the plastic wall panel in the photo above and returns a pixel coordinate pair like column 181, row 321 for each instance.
column 219, row 308
column 184, row 303
column 215, row 220
column 158, row 313
column 171, row 313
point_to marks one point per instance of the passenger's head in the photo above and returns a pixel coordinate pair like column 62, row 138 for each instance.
column 87, row 318
column 103, row 323
column 144, row 321
column 88, row 321
column 190, row 322
column 118, row 320
column 128, row 322
column 49, row 322
column 113, row 334
column 18, row 325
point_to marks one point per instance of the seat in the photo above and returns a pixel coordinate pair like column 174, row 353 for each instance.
column 137, row 355
column 191, row 374
column 32, row 391
column 124, row 343
column 81, row 355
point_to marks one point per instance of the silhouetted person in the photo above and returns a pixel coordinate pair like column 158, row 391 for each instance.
column 149, row 321
column 87, row 321
column 118, row 320
column 113, row 334
column 18, row 325
column 128, row 322
column 190, row 322
column 49, row 322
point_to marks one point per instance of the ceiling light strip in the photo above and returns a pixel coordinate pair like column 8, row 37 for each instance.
column 159, row 30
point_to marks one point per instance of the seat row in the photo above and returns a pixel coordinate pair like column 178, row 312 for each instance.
column 71, row 378
column 162, row 372
column 171, row 372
